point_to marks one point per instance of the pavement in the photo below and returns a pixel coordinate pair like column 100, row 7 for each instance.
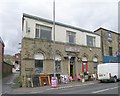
column 46, row 88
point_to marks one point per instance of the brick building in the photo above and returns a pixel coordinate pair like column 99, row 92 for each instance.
column 75, row 50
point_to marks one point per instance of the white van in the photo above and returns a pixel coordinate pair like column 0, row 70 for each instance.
column 108, row 72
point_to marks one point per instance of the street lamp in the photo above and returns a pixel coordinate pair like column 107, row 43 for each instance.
column 54, row 35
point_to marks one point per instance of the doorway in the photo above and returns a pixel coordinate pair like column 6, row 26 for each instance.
column 71, row 70
column 72, row 63
column 84, row 67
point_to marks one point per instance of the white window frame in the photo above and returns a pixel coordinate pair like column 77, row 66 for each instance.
column 93, row 41
column 68, row 33
column 39, row 27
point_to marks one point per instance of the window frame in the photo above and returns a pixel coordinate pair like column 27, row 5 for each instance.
column 110, row 51
column 73, row 34
column 93, row 39
column 40, row 29
column 56, row 66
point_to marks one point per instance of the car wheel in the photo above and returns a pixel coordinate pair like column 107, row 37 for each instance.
column 114, row 79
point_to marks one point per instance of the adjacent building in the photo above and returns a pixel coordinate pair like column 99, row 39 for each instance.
column 110, row 44
column 74, row 51
column 17, row 59
column 1, row 54
column 5, row 68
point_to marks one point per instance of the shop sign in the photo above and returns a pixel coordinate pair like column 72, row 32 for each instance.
column 117, row 53
column 72, row 49
column 28, row 69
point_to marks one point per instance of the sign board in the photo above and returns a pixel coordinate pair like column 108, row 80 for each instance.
column 72, row 49
column 117, row 53
column 54, row 82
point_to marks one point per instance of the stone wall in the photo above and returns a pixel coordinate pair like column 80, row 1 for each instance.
column 30, row 47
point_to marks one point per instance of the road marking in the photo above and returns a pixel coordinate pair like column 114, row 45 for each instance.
column 105, row 89
column 63, row 87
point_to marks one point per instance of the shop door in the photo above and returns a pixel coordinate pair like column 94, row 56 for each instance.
column 71, row 70
column 72, row 63
column 84, row 67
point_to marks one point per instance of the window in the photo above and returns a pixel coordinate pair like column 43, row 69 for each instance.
column 57, row 66
column 71, row 37
column 110, row 51
column 95, row 66
column 38, row 66
column 43, row 32
column 39, row 60
column 37, row 31
column 57, row 63
column 90, row 41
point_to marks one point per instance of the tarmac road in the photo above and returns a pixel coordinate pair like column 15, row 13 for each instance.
column 8, row 83
column 97, row 88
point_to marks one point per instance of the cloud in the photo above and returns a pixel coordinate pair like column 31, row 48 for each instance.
column 86, row 14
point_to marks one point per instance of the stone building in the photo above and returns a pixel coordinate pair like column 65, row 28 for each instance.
column 110, row 44
column 75, row 50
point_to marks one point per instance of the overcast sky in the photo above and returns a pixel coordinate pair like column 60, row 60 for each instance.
column 85, row 14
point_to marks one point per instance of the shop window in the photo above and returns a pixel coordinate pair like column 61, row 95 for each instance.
column 95, row 61
column 71, row 36
column 38, row 66
column 58, row 66
column 57, row 63
column 95, row 66
column 39, row 58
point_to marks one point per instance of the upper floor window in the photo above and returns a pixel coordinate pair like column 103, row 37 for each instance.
column 110, row 51
column 43, row 32
column 90, row 41
column 71, row 36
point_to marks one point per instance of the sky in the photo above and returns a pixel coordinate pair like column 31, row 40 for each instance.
column 86, row 14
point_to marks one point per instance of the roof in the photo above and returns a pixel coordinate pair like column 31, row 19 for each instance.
column 57, row 23
column 106, row 30
column 1, row 41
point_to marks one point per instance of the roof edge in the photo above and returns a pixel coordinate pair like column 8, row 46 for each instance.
column 57, row 23
column 106, row 30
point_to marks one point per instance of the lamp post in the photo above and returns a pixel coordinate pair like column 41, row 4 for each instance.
column 54, row 36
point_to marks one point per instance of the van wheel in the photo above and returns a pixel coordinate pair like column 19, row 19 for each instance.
column 101, row 81
column 114, row 79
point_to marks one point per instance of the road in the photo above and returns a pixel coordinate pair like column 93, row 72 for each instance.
column 91, row 88
column 8, row 83
column 99, row 88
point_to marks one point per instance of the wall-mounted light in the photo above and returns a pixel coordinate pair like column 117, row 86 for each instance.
column 90, row 49
column 78, row 59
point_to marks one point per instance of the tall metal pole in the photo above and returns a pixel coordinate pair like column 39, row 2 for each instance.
column 54, row 35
